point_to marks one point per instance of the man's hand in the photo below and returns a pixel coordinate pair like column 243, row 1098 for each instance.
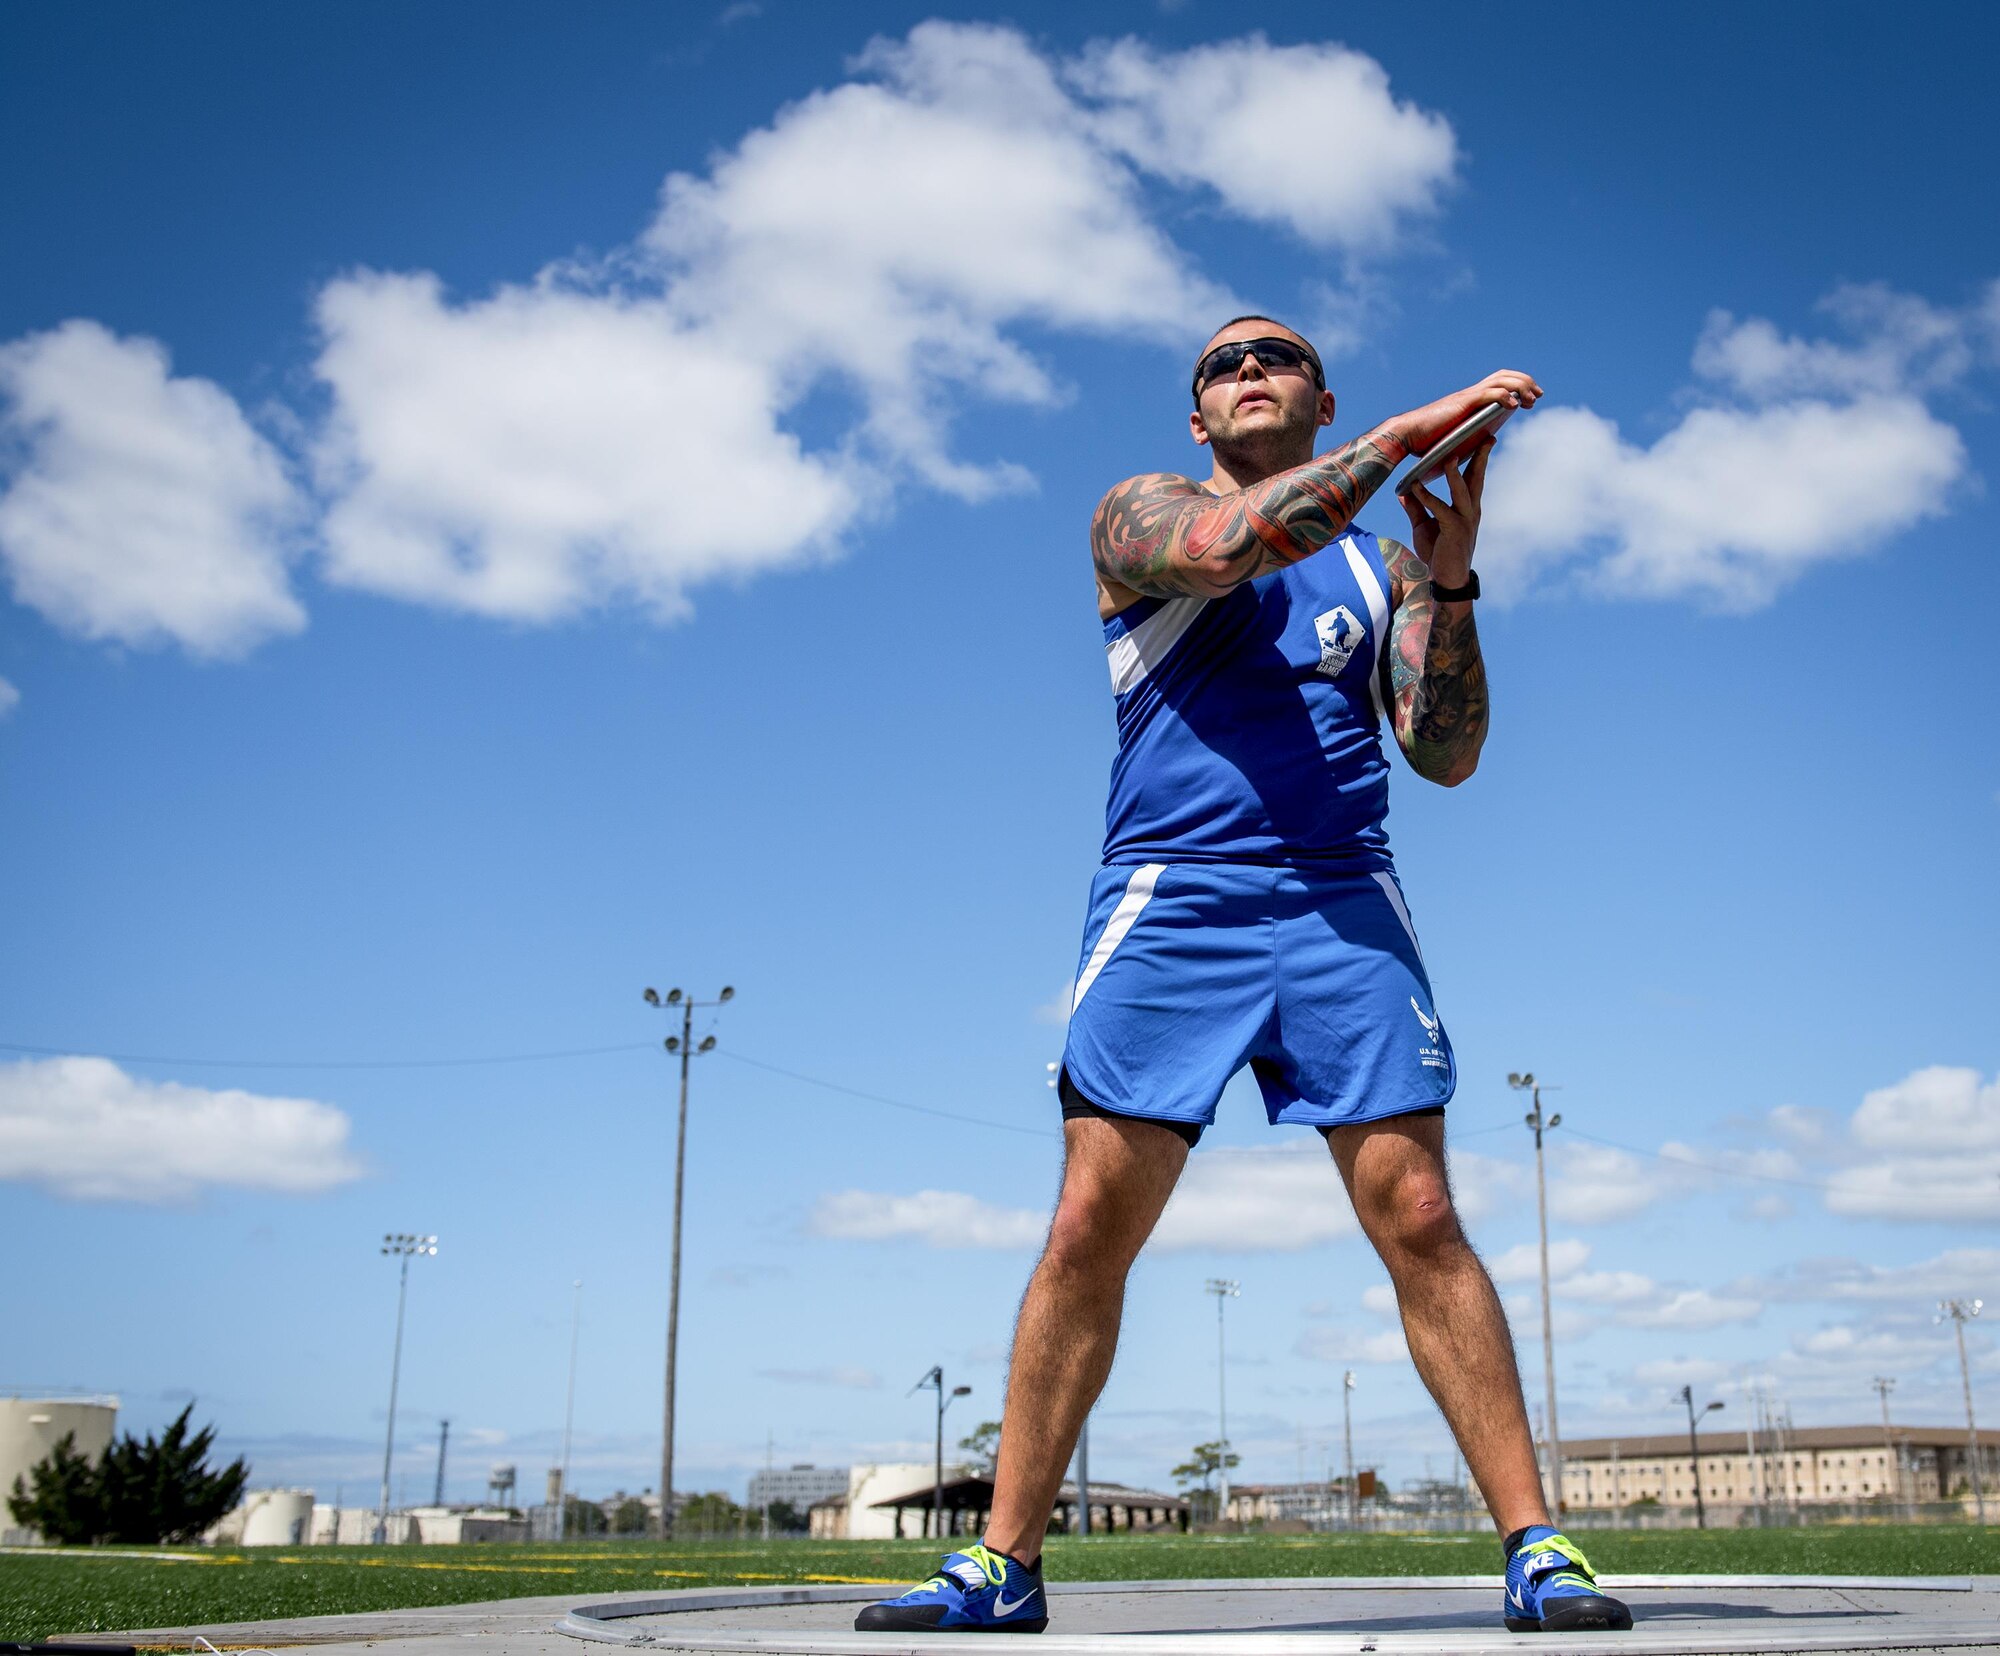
column 1442, row 535
column 1422, row 427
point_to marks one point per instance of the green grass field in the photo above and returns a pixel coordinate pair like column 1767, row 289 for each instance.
column 51, row 1592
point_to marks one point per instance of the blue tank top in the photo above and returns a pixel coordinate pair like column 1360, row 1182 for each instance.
column 1250, row 726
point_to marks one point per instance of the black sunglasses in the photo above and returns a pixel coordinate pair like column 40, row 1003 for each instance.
column 1269, row 352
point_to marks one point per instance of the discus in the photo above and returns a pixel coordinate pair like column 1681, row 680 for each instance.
column 1460, row 439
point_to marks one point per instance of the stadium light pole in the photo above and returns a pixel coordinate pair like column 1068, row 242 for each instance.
column 1962, row 1311
column 1884, row 1386
column 683, row 1044
column 569, row 1406
column 1347, row 1437
column 403, row 1245
column 1686, row 1395
column 1525, row 1082
column 934, row 1381
column 1223, row 1288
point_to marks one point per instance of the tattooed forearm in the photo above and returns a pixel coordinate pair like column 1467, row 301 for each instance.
column 1437, row 677
column 1166, row 536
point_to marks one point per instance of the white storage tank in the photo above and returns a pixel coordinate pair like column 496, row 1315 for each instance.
column 31, row 1426
column 277, row 1517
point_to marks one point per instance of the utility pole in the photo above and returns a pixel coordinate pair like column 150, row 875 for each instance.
column 1884, row 1387
column 1962, row 1311
column 1223, row 1288
column 569, row 1402
column 1617, row 1489
column 935, row 1382
column 683, row 1044
column 1083, row 1480
column 444, row 1437
column 1347, row 1440
column 1686, row 1395
column 403, row 1245
column 1526, row 1082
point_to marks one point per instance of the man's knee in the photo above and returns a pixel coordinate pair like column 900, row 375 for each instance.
column 1094, row 1233
column 1414, row 1217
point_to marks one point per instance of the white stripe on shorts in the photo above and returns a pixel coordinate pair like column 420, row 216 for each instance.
column 1138, row 893
column 1393, row 892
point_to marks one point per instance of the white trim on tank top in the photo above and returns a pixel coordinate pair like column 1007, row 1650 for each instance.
column 1139, row 651
column 1378, row 618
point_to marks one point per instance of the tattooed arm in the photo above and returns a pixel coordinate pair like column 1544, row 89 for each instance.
column 1166, row 536
column 1436, row 677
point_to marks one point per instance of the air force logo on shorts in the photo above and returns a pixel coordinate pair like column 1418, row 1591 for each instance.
column 1340, row 635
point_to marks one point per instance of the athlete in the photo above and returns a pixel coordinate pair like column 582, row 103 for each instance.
column 1248, row 912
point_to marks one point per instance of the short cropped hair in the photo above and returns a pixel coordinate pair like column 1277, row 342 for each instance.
column 1319, row 368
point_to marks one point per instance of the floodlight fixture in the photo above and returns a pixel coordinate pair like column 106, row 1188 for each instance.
column 707, row 1044
column 652, row 997
column 728, row 994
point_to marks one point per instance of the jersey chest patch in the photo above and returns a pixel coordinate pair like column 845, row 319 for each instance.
column 1340, row 635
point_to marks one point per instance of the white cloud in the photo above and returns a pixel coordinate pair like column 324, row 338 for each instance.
column 1309, row 137
column 142, row 508
column 1801, row 1125
column 1931, row 1144
column 938, row 1218
column 852, row 1379
column 10, row 698
column 1598, row 1184
column 1339, row 1345
column 1609, row 1288
column 1380, row 1297
column 1523, row 1261
column 1826, row 449
column 1276, row 1200
column 85, row 1129
column 624, row 429
column 1680, row 1371
column 1692, row 1308
column 1898, row 343
column 1956, row 1271
column 1936, row 1109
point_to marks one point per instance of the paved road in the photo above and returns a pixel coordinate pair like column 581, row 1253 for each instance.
column 1436, row 1616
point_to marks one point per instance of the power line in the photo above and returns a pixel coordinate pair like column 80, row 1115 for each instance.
column 878, row 1098
column 329, row 1063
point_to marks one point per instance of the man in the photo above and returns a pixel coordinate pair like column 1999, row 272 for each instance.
column 1247, row 911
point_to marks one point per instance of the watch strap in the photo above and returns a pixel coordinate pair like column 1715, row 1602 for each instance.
column 1458, row 594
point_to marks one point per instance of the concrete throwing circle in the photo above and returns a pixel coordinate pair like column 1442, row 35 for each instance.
column 1392, row 1615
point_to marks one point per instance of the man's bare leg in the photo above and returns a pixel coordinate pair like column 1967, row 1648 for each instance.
column 1395, row 1175
column 1117, row 1176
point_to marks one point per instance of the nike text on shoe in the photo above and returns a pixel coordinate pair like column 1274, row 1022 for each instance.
column 975, row 1591
column 1550, row 1588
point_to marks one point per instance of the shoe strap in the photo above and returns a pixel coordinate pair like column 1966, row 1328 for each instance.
column 1557, row 1542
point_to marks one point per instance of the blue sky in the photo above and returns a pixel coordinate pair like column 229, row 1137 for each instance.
column 503, row 507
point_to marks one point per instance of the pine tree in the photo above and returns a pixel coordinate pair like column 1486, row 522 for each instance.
column 162, row 1489
column 61, row 1497
column 141, row 1492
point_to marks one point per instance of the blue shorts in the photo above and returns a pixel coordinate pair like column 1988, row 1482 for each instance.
column 1192, row 970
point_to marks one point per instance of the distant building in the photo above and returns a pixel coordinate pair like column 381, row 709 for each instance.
column 898, row 1501
column 429, row 1526
column 1306, row 1503
column 1807, row 1466
column 797, row 1486
column 31, row 1426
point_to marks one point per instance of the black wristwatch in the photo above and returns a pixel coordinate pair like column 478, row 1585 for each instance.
column 1458, row 594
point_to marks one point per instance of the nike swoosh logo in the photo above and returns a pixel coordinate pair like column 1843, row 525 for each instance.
column 1514, row 1597
column 1002, row 1608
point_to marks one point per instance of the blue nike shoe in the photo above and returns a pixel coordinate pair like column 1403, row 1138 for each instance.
column 975, row 1591
column 1550, row 1588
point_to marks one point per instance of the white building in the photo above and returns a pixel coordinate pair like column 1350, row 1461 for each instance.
column 853, row 1515
column 31, row 1426
column 798, row 1486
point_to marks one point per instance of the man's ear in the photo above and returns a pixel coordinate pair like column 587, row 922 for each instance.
column 1198, row 427
column 1326, row 408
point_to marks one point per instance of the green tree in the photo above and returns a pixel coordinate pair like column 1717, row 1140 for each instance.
column 983, row 1445
column 162, row 1489
column 60, row 1498
column 786, row 1519
column 1197, row 1473
column 581, row 1517
column 711, row 1514
column 630, row 1517
column 141, row 1492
